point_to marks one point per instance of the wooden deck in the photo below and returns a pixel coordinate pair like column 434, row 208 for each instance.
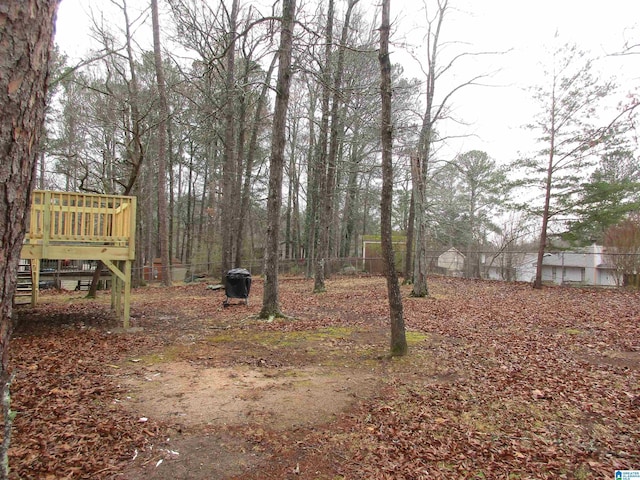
column 79, row 226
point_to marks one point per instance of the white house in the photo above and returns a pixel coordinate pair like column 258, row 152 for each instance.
column 586, row 266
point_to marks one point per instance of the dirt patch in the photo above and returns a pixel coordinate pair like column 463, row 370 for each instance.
column 630, row 360
column 280, row 398
column 244, row 400
column 251, row 383
column 199, row 457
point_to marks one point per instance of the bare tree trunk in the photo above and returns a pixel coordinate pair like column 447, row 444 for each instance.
column 163, row 234
column 420, row 166
column 26, row 38
column 177, row 213
column 238, row 224
column 251, row 154
column 366, row 206
column 95, row 278
column 201, row 212
column 171, row 180
column 348, row 211
column 270, row 302
column 329, row 183
column 213, row 206
column 295, row 180
column 135, row 149
column 542, row 245
column 188, row 232
column 229, row 166
column 398, row 336
column 321, row 159
column 313, row 193
column 287, row 217
column 420, row 288
column 408, row 260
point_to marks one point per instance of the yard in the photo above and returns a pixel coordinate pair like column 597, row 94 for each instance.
column 502, row 381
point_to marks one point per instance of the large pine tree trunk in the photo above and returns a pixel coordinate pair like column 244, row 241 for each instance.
column 398, row 337
column 270, row 302
column 25, row 37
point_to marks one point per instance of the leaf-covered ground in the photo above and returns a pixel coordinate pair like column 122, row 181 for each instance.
column 502, row 381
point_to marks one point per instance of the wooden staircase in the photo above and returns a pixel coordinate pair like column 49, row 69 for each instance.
column 24, row 285
column 28, row 276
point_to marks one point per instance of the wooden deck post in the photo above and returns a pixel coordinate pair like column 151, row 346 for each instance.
column 35, row 280
column 126, row 311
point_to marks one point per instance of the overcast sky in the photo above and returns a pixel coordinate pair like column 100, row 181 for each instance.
column 527, row 29
column 524, row 28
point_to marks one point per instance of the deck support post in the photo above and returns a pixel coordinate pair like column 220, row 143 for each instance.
column 35, row 280
column 120, row 285
column 126, row 310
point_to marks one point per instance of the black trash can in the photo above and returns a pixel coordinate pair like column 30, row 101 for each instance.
column 237, row 285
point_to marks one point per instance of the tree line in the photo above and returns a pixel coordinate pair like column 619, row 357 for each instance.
column 205, row 184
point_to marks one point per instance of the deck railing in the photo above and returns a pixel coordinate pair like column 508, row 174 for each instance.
column 78, row 217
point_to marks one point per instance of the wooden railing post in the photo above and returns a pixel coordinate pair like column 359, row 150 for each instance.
column 132, row 228
column 46, row 222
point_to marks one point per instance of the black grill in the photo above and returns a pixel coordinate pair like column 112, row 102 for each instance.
column 237, row 285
